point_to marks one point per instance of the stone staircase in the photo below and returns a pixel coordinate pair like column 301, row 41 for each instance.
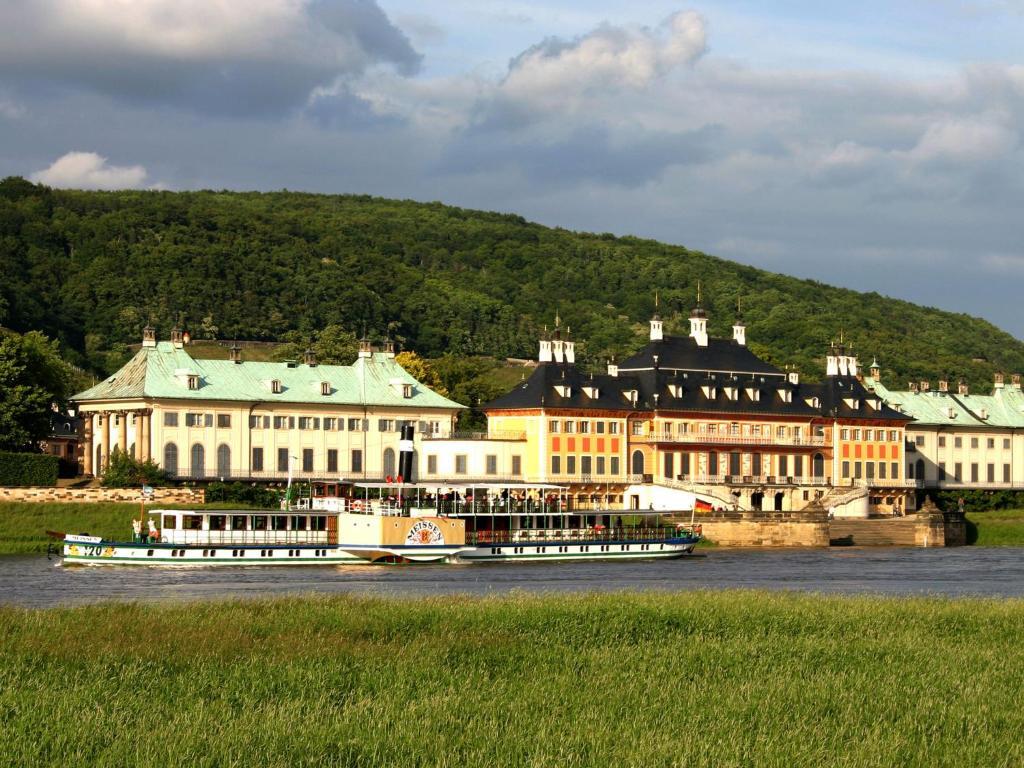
column 874, row 532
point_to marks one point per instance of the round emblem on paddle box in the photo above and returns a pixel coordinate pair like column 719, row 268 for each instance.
column 424, row 532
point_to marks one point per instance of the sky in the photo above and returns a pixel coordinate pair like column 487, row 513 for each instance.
column 873, row 145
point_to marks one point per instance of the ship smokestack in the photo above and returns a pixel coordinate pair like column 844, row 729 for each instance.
column 405, row 447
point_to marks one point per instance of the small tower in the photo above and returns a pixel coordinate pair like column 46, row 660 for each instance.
column 962, row 388
column 832, row 361
column 149, row 336
column 235, row 353
column 309, row 357
column 557, row 345
column 613, row 368
column 365, row 348
column 570, row 347
column 699, row 322
column 1000, row 380
column 544, row 355
column 177, row 338
column 657, row 330
column 739, row 330
column 389, row 347
column 875, row 370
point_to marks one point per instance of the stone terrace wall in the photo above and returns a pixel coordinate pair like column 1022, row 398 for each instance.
column 765, row 529
column 186, row 496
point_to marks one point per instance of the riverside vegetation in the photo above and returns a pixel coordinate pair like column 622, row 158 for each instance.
column 658, row 679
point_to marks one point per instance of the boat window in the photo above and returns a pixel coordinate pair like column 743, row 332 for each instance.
column 169, row 522
column 318, row 523
column 259, row 522
column 218, row 522
column 299, row 522
column 192, row 522
column 240, row 522
column 279, row 522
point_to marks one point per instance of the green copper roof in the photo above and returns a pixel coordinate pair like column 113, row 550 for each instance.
column 1003, row 408
column 162, row 372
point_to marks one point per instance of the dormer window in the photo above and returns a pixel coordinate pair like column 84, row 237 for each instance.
column 407, row 391
column 785, row 395
column 631, row 395
column 563, row 390
column 754, row 394
column 325, row 388
column 275, row 386
column 193, row 381
column 709, row 391
column 814, row 402
column 730, row 392
column 852, row 403
column 592, row 392
column 675, row 390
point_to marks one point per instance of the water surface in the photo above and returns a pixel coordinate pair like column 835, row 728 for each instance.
column 988, row 571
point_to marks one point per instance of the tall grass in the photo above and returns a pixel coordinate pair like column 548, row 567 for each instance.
column 23, row 525
column 695, row 679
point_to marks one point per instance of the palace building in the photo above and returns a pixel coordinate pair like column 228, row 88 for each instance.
column 697, row 417
column 960, row 440
column 240, row 420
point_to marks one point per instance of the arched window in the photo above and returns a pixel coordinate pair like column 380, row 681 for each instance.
column 389, row 462
column 198, row 460
column 919, row 474
column 818, row 465
column 638, row 463
column 223, row 460
column 171, row 459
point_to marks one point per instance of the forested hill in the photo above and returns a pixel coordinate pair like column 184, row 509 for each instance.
column 91, row 268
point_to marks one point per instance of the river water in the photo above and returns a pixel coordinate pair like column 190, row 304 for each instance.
column 987, row 571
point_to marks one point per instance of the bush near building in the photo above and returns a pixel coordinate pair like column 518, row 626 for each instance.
column 978, row 500
column 239, row 493
column 28, row 469
column 125, row 471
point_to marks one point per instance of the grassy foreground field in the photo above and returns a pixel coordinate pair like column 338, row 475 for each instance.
column 723, row 679
column 23, row 525
column 1002, row 528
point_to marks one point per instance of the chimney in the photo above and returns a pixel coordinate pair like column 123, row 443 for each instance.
column 793, row 377
column 832, row 361
column 365, row 348
column 912, row 386
column 176, row 337
column 875, row 370
column 657, row 334
column 699, row 322
column 1015, row 380
column 570, row 348
column 309, row 357
column 186, row 338
column 613, row 369
column 389, row 348
column 149, row 336
column 943, row 385
column 961, row 387
column 235, row 353
column 924, row 385
column 999, row 380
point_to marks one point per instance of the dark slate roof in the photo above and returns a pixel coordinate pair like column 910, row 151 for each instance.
column 684, row 354
column 684, row 391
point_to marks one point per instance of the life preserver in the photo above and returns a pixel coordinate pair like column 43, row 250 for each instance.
column 357, row 506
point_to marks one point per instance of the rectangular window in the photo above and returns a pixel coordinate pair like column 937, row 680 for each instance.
column 669, row 465
column 569, row 427
column 586, row 465
column 570, row 465
column 990, row 473
column 280, row 422
column 291, row 422
column 259, row 522
column 893, row 436
column 942, row 471
column 857, row 470
column 1006, row 443
column 556, row 465
column 974, row 442
column 846, row 470
column 254, row 421
column 881, row 470
column 554, row 427
column 910, row 471
column 257, row 459
column 332, row 459
column 517, row 465
column 329, row 424
column 869, row 434
column 942, row 441
column 192, row 522
column 974, row 473
column 384, row 425
column 798, row 466
column 492, row 464
column 613, row 468
column 869, row 467
column 856, row 434
column 958, row 442
column 784, row 466
column 1006, row 473
column 460, row 464
column 684, row 465
column 958, row 471
column 357, row 460
column 282, row 459
column 239, row 522
column 919, row 440
column 432, row 465
column 599, row 427
column 991, row 442
column 637, row 427
column 170, row 418
column 895, row 467
column 600, row 465
column 305, row 422
column 613, row 427
column 224, row 420
column 307, row 459
column 207, row 419
column 584, row 427
column 193, row 419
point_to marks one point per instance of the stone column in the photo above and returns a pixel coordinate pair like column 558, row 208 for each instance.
column 122, row 431
column 145, row 418
column 137, row 421
column 104, row 442
column 90, row 451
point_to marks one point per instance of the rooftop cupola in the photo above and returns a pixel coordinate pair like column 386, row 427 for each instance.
column 389, row 347
column 557, row 345
column 1000, row 381
column 876, row 371
column 962, row 388
column 177, row 338
column 309, row 357
column 1015, row 380
column 570, row 347
column 613, row 368
column 149, row 336
column 657, row 327
column 235, row 353
column 832, row 361
column 544, row 355
column 699, row 322
column 365, row 348
column 739, row 329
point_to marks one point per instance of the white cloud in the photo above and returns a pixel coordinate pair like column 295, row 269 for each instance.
column 967, row 139
column 88, row 170
column 555, row 72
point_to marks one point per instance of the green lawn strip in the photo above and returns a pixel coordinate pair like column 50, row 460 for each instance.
column 713, row 678
column 23, row 525
column 1004, row 527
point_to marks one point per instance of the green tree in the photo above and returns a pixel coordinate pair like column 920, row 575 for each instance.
column 422, row 370
column 33, row 380
column 125, row 471
column 333, row 346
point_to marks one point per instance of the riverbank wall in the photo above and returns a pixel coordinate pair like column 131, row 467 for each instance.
column 93, row 495
column 765, row 529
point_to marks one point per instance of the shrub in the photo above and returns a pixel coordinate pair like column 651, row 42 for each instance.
column 978, row 500
column 239, row 493
column 28, row 469
column 124, row 471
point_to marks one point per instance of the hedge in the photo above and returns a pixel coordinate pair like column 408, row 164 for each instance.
column 28, row 469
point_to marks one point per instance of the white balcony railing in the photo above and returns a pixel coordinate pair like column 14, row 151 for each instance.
column 727, row 439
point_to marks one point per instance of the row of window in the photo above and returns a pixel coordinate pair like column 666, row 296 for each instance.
column 249, row 522
column 958, row 442
column 867, row 470
column 589, row 465
column 462, row 464
column 739, row 464
column 583, row 427
column 879, row 435
column 918, row 468
column 326, row 423
column 197, row 460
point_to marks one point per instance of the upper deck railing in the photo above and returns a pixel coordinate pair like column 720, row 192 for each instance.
column 717, row 438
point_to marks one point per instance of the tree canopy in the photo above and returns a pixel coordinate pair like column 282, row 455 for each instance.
column 32, row 379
